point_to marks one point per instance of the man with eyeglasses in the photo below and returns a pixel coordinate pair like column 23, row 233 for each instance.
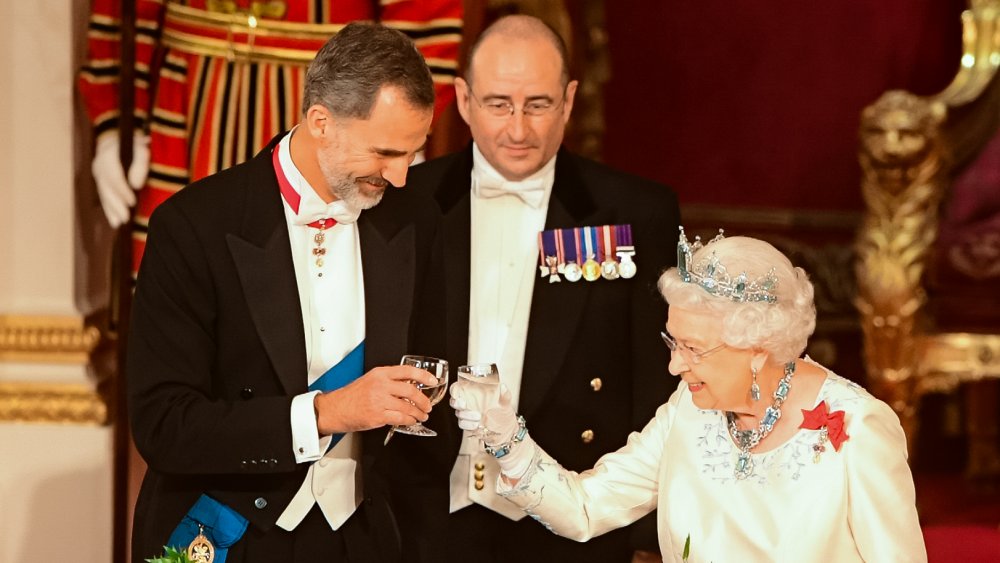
column 580, row 358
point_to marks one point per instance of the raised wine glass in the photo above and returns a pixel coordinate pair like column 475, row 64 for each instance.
column 483, row 394
column 439, row 369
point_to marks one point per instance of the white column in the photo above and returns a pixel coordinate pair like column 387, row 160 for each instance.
column 55, row 448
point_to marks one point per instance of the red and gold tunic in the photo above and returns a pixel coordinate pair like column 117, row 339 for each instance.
column 215, row 80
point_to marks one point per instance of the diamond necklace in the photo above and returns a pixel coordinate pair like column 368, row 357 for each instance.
column 747, row 440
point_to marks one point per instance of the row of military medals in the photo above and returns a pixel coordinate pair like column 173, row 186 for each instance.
column 587, row 252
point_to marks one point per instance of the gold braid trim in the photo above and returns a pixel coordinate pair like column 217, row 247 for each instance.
column 51, row 403
column 233, row 36
column 46, row 339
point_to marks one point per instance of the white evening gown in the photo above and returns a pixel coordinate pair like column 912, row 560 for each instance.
column 856, row 504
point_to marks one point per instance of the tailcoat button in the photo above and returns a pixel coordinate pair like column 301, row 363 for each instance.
column 587, row 436
column 596, row 384
column 479, row 485
column 260, row 503
column 246, row 393
column 480, row 466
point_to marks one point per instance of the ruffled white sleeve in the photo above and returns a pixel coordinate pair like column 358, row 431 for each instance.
column 619, row 490
column 882, row 510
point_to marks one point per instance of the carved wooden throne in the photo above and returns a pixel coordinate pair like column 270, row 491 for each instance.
column 928, row 250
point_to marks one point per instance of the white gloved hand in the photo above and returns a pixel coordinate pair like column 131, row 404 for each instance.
column 496, row 428
column 470, row 399
column 116, row 192
column 502, row 428
column 468, row 417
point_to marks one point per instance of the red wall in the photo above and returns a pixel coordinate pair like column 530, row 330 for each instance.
column 757, row 102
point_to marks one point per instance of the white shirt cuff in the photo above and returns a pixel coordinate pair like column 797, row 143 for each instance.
column 305, row 432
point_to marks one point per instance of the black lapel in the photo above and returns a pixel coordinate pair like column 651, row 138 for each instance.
column 263, row 258
column 557, row 308
column 454, row 198
column 388, row 258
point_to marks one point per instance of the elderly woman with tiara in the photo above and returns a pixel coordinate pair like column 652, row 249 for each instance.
column 760, row 455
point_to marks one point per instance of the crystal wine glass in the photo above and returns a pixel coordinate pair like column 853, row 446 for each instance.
column 439, row 369
column 483, row 394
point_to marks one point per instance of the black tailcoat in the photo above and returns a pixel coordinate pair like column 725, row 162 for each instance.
column 578, row 332
column 217, row 349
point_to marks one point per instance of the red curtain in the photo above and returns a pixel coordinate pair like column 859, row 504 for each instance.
column 758, row 103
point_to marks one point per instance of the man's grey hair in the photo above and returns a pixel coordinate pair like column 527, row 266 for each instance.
column 351, row 69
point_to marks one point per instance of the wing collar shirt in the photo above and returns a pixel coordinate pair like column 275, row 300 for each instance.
column 506, row 219
column 333, row 314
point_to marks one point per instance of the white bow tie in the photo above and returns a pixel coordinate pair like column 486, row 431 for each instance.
column 531, row 192
column 314, row 210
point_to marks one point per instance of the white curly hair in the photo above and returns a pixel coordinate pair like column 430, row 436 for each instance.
column 781, row 328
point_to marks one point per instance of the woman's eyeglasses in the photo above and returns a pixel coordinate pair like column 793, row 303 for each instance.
column 695, row 357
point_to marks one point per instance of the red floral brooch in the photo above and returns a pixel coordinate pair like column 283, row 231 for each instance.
column 830, row 425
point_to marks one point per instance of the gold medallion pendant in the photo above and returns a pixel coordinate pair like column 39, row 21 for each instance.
column 201, row 550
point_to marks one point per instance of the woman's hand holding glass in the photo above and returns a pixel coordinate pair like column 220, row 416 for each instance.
column 476, row 390
column 483, row 407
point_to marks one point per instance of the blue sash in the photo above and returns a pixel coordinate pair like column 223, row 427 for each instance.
column 223, row 526
column 346, row 371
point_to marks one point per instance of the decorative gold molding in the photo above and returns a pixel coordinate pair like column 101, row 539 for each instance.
column 911, row 149
column 46, row 339
column 950, row 359
column 904, row 177
column 52, row 403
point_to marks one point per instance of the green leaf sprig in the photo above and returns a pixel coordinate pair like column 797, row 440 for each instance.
column 171, row 555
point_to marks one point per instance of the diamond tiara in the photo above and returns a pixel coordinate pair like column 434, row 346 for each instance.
column 713, row 277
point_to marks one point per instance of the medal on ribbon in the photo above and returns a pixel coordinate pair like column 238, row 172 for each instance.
column 560, row 252
column 591, row 268
column 609, row 267
column 550, row 256
column 571, row 245
column 625, row 251
column 201, row 550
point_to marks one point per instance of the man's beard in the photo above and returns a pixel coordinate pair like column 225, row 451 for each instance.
column 352, row 190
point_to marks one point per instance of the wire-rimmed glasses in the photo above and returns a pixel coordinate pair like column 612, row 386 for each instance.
column 503, row 108
column 695, row 357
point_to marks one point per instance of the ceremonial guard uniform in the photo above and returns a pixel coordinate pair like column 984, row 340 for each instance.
column 216, row 79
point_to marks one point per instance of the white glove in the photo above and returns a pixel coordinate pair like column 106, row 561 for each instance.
column 498, row 429
column 462, row 401
column 116, row 193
